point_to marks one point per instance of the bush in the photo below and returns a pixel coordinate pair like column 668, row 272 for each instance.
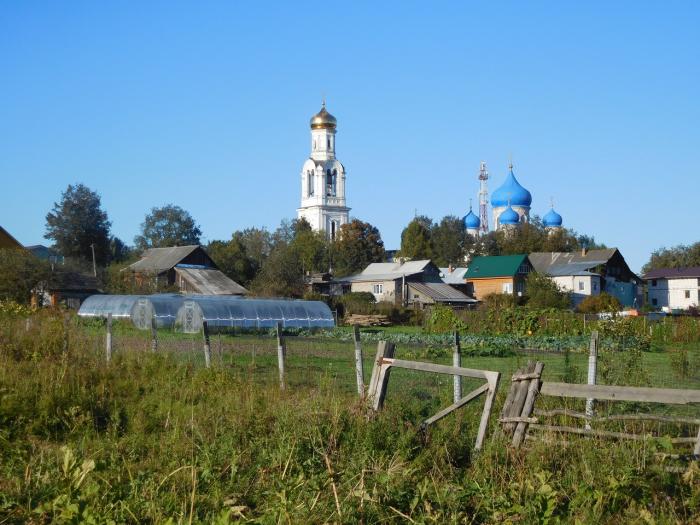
column 358, row 303
column 443, row 319
column 497, row 301
column 543, row 292
column 595, row 304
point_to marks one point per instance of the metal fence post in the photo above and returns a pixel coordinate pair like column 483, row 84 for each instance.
column 207, row 345
column 457, row 361
column 592, row 370
column 359, row 372
column 108, row 339
column 281, row 351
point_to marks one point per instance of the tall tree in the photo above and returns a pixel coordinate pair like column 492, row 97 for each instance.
column 232, row 259
column 169, row 225
column 448, row 241
column 78, row 222
column 257, row 243
column 415, row 239
column 675, row 257
column 20, row 272
column 359, row 245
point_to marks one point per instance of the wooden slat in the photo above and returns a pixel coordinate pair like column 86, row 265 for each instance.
column 442, row 369
column 523, row 377
column 532, row 391
column 621, row 393
column 560, row 412
column 516, row 407
column 605, row 433
column 618, row 417
column 454, row 406
column 518, row 420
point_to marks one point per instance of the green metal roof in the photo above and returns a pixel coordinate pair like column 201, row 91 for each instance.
column 494, row 266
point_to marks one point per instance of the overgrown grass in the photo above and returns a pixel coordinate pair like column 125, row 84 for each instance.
column 156, row 438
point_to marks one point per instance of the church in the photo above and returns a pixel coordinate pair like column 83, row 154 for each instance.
column 510, row 207
column 323, row 179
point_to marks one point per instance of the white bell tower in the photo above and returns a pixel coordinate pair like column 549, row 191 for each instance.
column 323, row 179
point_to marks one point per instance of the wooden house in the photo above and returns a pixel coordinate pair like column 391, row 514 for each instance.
column 497, row 274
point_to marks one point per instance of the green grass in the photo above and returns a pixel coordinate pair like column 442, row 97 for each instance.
column 156, row 438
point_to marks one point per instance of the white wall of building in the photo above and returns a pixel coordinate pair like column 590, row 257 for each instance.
column 674, row 294
column 580, row 286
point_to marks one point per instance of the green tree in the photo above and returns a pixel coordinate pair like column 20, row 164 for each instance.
column 77, row 222
column 359, row 245
column 20, row 272
column 543, row 292
column 449, row 241
column 415, row 239
column 282, row 274
column 167, row 226
column 232, row 259
column 676, row 257
column 257, row 243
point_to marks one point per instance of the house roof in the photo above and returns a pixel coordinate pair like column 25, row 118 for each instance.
column 456, row 276
column 157, row 260
column 68, row 280
column 673, row 273
column 7, row 240
column 210, row 281
column 494, row 266
column 441, row 292
column 388, row 271
column 544, row 262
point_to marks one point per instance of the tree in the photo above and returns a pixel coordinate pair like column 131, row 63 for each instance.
column 118, row 251
column 281, row 275
column 359, row 245
column 543, row 292
column 676, row 257
column 448, row 241
column 77, row 223
column 168, row 226
column 415, row 239
column 257, row 243
column 20, row 272
column 232, row 259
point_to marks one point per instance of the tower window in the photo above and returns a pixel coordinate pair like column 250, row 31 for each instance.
column 329, row 143
column 331, row 177
column 314, row 145
column 310, row 183
column 332, row 230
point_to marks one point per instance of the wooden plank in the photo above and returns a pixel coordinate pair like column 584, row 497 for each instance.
column 518, row 419
column 618, row 417
column 207, row 345
column 374, row 378
column 621, row 393
column 505, row 411
column 592, row 373
column 532, row 391
column 359, row 372
column 523, row 377
column 696, row 449
column 516, row 408
column 456, row 362
column 442, row 369
column 454, row 406
column 606, row 433
column 383, row 375
column 486, row 413
column 560, row 412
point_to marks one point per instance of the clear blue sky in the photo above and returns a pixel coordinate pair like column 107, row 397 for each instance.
column 206, row 105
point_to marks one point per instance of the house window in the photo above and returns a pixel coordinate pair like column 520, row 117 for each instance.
column 653, row 282
column 595, row 287
column 378, row 289
column 654, row 301
column 687, row 294
column 581, row 286
column 507, row 287
column 524, row 268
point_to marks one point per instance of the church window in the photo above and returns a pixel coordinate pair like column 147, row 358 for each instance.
column 310, row 183
column 331, row 182
column 329, row 143
column 332, row 230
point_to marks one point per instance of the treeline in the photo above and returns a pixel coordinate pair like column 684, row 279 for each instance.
column 676, row 257
column 447, row 242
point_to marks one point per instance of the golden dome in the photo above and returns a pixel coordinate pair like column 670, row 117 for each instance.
column 323, row 119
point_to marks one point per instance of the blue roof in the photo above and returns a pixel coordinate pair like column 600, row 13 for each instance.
column 509, row 216
column 552, row 219
column 511, row 190
column 471, row 221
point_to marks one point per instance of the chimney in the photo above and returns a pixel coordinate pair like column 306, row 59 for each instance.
column 450, row 269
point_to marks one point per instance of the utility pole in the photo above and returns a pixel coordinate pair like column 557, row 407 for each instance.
column 94, row 265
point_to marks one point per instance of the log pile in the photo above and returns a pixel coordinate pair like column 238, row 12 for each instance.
column 367, row 320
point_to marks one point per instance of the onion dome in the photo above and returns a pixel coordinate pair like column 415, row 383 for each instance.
column 552, row 219
column 509, row 216
column 511, row 189
column 323, row 119
column 471, row 221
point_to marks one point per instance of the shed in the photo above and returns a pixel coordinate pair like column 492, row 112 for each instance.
column 497, row 274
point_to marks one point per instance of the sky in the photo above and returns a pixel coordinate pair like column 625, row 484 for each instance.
column 206, row 105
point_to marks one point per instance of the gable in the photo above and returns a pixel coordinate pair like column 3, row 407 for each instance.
column 496, row 266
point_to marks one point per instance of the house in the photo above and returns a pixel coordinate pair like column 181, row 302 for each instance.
column 673, row 288
column 7, row 240
column 497, row 274
column 590, row 272
column 406, row 283
column 187, row 268
column 45, row 253
column 67, row 288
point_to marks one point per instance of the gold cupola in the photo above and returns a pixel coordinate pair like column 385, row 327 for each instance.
column 323, row 119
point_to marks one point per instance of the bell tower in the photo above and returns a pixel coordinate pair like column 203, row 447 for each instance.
column 323, row 179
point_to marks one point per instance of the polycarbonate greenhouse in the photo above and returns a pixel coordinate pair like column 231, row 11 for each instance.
column 188, row 312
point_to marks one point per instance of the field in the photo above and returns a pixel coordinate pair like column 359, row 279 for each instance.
column 156, row 437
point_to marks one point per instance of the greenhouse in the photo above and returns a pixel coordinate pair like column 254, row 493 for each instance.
column 188, row 312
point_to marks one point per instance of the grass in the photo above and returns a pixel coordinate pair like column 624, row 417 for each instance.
column 156, row 438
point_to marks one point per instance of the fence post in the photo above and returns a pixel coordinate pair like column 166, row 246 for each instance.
column 207, row 345
column 592, row 371
column 457, row 361
column 359, row 372
column 380, row 378
column 281, row 351
column 154, row 335
column 108, row 338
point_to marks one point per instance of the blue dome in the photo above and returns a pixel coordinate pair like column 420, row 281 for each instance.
column 509, row 216
column 551, row 219
column 511, row 190
column 471, row 221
